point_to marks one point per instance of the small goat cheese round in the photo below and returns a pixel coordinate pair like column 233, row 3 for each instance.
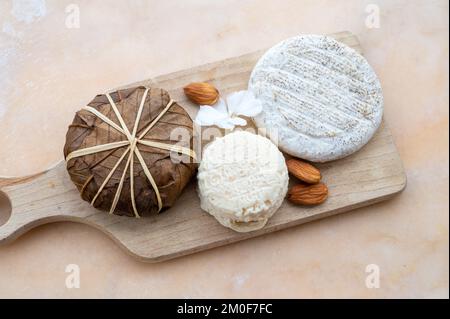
column 320, row 97
column 242, row 180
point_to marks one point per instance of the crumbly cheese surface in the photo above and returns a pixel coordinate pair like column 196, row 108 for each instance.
column 320, row 96
column 242, row 180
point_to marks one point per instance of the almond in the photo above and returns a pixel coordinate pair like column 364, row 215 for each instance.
column 303, row 171
column 202, row 93
column 308, row 194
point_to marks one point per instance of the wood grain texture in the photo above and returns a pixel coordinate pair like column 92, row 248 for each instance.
column 373, row 174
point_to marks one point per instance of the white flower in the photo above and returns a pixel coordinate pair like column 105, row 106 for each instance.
column 225, row 113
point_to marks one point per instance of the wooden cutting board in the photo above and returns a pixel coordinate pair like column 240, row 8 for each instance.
column 373, row 174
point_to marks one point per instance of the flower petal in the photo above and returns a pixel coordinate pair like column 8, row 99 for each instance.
column 238, row 121
column 234, row 101
column 244, row 103
column 208, row 115
column 251, row 109
column 225, row 123
column 221, row 106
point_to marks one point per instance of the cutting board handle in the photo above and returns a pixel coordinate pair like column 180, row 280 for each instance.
column 17, row 223
column 36, row 200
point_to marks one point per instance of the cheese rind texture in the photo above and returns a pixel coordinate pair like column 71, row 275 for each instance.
column 242, row 180
column 320, row 97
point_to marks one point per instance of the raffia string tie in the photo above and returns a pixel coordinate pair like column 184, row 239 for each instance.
column 131, row 150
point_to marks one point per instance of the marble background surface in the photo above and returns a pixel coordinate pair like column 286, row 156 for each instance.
column 48, row 70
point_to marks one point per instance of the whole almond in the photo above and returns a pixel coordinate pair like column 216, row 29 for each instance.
column 202, row 93
column 308, row 194
column 303, row 171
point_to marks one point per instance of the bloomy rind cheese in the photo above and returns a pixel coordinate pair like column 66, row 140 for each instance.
column 320, row 96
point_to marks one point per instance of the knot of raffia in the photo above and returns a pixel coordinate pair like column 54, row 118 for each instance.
column 131, row 144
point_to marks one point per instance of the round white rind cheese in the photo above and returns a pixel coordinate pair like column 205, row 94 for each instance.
column 242, row 180
column 321, row 99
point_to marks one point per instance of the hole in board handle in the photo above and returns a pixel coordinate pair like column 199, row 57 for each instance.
column 5, row 208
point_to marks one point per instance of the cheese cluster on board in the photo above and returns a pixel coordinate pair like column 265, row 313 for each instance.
column 242, row 180
column 320, row 96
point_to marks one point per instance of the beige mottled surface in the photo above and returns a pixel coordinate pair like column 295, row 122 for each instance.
column 48, row 71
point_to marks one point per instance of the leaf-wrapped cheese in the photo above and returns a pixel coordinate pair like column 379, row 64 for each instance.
column 156, row 116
